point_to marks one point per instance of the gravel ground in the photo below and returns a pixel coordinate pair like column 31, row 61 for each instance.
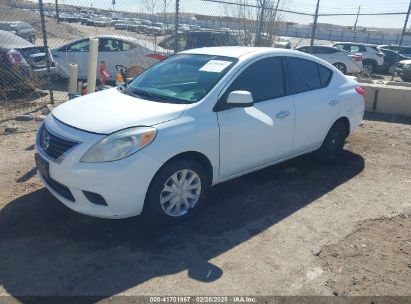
column 298, row 228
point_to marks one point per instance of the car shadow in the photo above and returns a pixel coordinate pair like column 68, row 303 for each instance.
column 387, row 118
column 47, row 249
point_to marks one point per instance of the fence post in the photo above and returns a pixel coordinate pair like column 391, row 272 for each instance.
column 315, row 23
column 57, row 11
column 176, row 26
column 402, row 36
column 46, row 50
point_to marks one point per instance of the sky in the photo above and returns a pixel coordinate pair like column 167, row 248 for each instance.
column 308, row 6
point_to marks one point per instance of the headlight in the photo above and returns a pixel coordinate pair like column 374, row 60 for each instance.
column 120, row 145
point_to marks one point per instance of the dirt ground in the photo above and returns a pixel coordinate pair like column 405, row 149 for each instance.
column 298, row 228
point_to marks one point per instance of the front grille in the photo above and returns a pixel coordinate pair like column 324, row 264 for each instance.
column 53, row 145
column 59, row 188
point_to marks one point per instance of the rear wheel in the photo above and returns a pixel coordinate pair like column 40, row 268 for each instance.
column 369, row 67
column 341, row 67
column 176, row 192
column 333, row 144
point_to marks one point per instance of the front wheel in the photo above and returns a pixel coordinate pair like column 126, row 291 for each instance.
column 333, row 144
column 176, row 192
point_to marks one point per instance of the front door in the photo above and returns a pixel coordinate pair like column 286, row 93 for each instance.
column 254, row 136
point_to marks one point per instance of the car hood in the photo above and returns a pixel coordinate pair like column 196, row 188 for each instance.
column 408, row 61
column 108, row 111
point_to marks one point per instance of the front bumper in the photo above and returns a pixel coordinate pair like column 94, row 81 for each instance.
column 123, row 184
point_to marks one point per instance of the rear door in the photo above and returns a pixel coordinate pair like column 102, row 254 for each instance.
column 254, row 136
column 113, row 52
column 316, row 105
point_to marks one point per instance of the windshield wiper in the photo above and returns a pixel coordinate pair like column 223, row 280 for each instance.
column 147, row 93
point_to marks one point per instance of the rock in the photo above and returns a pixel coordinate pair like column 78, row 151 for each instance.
column 364, row 246
column 24, row 117
column 10, row 129
column 46, row 110
column 316, row 251
column 40, row 117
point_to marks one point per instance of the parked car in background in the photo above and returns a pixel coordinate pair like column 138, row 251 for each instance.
column 345, row 62
column 196, row 39
column 103, row 22
column 405, row 50
column 282, row 42
column 403, row 70
column 135, row 54
column 68, row 18
column 391, row 58
column 21, row 29
column 199, row 118
column 372, row 57
column 21, row 62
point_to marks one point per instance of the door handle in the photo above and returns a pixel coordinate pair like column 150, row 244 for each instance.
column 333, row 102
column 282, row 114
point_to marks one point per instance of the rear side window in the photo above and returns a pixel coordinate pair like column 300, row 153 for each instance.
column 304, row 73
column 325, row 75
column 264, row 79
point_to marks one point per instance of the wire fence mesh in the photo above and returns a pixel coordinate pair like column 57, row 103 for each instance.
column 137, row 34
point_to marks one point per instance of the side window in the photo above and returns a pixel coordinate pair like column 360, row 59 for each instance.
column 304, row 73
column 112, row 45
column 325, row 75
column 80, row 46
column 264, row 79
column 328, row 50
column 354, row 49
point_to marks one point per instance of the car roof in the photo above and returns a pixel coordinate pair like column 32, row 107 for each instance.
column 11, row 41
column 238, row 51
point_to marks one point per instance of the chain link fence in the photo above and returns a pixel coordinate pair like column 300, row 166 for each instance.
column 35, row 57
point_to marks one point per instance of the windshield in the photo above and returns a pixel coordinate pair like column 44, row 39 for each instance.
column 184, row 78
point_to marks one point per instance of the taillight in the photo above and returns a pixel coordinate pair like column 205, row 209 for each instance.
column 360, row 91
column 157, row 56
column 15, row 57
column 357, row 58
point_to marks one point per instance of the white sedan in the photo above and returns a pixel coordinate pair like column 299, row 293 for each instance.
column 135, row 54
column 347, row 63
column 196, row 119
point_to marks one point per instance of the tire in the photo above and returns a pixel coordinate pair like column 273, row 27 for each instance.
column 369, row 67
column 406, row 79
column 341, row 67
column 159, row 200
column 333, row 143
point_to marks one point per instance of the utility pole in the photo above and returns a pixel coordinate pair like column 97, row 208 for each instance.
column 356, row 19
column 404, row 29
column 176, row 26
column 315, row 23
column 46, row 49
column 260, row 25
column 57, row 11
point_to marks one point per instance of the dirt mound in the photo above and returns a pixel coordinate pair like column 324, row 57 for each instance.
column 54, row 29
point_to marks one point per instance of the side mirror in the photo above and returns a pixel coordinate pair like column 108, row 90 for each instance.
column 240, row 99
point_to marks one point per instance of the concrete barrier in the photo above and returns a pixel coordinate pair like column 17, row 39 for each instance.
column 387, row 99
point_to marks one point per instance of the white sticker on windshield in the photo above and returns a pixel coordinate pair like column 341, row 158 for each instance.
column 215, row 66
